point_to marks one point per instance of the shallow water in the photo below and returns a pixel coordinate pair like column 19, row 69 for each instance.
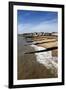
column 37, row 65
column 45, row 58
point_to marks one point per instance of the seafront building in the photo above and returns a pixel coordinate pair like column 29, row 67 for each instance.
column 40, row 34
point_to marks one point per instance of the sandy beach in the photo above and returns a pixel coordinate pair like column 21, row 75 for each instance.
column 28, row 65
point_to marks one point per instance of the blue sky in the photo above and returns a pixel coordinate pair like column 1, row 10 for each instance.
column 37, row 21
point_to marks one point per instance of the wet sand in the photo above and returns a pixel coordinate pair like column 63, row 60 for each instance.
column 29, row 68
column 52, row 41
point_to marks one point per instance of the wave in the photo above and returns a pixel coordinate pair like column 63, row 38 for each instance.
column 46, row 59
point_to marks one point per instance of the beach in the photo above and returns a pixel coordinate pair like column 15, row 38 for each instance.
column 36, row 65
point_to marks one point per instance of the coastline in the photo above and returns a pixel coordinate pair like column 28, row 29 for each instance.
column 29, row 67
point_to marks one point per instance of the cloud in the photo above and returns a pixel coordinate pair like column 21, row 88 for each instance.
column 45, row 26
column 48, row 26
column 23, row 28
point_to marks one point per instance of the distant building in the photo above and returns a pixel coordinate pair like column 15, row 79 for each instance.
column 38, row 33
column 48, row 34
column 35, row 34
column 55, row 33
column 28, row 34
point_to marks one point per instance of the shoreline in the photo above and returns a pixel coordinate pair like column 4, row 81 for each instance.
column 29, row 66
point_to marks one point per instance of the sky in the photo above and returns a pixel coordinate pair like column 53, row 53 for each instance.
column 36, row 21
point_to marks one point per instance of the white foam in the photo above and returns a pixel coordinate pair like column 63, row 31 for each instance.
column 46, row 58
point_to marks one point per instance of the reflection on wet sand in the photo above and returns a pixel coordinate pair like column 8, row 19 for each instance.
column 29, row 66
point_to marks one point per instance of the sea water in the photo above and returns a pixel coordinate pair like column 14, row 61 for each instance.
column 45, row 58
